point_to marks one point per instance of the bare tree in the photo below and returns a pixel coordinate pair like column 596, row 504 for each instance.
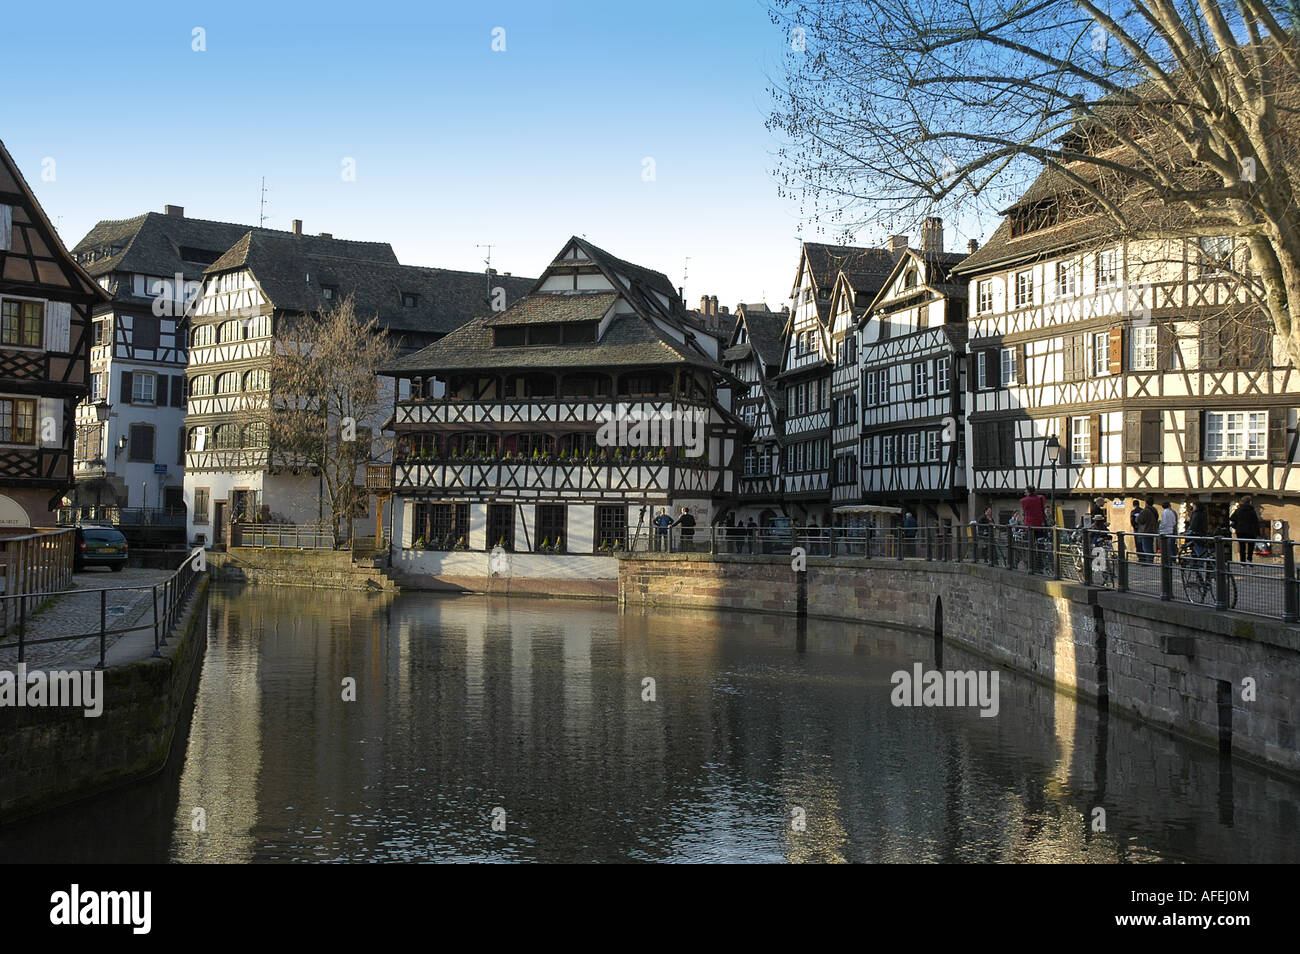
column 1160, row 118
column 325, row 402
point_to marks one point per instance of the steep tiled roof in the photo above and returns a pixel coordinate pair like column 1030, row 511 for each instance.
column 582, row 306
column 638, row 338
column 163, row 245
column 293, row 271
column 629, row 341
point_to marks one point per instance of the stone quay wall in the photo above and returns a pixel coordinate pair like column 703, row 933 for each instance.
column 51, row 756
column 1223, row 678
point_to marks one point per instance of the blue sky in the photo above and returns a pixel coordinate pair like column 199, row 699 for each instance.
column 455, row 145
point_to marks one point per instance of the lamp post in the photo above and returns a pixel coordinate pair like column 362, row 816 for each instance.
column 1054, row 456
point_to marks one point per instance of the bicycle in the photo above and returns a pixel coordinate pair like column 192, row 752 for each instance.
column 1103, row 575
column 1198, row 575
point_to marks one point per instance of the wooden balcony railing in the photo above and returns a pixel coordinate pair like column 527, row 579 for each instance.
column 379, row 477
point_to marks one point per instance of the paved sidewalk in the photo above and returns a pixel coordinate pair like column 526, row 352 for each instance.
column 79, row 613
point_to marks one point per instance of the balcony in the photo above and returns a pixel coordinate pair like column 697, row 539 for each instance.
column 526, row 411
column 379, row 478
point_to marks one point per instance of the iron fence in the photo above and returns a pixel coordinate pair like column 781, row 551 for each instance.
column 286, row 536
column 1197, row 570
column 168, row 597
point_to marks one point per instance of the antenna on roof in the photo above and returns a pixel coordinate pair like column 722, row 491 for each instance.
column 488, row 262
column 261, row 209
column 686, row 271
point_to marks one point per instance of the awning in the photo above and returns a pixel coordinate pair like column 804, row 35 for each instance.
column 866, row 508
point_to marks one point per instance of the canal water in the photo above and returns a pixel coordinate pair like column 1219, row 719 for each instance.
column 478, row 729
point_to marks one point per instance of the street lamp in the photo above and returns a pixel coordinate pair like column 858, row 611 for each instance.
column 1054, row 456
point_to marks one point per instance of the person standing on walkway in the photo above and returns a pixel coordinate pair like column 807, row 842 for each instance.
column 1168, row 523
column 662, row 524
column 1245, row 523
column 1198, row 526
column 687, row 524
column 1034, row 507
column 1145, row 523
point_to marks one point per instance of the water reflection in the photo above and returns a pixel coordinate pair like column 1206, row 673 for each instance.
column 757, row 725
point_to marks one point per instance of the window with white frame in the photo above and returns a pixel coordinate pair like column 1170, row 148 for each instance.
column 887, row 449
column 1024, row 288
column 932, row 445
column 913, row 447
column 789, row 400
column 1236, row 435
column 1008, row 367
column 1080, row 440
column 97, row 386
column 921, row 379
column 801, row 399
column 142, row 388
column 1144, row 340
column 984, row 296
column 942, row 375
column 1101, row 353
column 1067, row 279
column 1108, row 268
column 1216, row 254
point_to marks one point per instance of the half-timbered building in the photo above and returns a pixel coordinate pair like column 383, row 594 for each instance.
column 753, row 357
column 912, row 342
column 130, row 448
column 810, row 343
column 263, row 283
column 1144, row 359
column 46, row 302
column 557, row 428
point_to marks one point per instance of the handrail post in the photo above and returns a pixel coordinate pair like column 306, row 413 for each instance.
column 103, row 627
column 1290, row 592
column 1087, row 547
column 1166, row 567
column 898, row 543
column 22, row 627
column 1220, row 575
column 167, row 611
column 153, row 592
column 1121, row 573
column 1056, row 552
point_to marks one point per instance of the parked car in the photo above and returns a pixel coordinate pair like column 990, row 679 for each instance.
column 100, row 546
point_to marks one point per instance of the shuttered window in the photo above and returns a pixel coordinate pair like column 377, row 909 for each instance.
column 141, row 443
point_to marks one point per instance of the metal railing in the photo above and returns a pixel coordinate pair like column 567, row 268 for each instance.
column 168, row 598
column 1198, row 570
column 282, row 536
column 31, row 563
column 124, row 516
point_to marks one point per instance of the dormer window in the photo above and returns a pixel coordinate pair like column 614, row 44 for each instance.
column 331, row 292
column 410, row 300
column 909, row 280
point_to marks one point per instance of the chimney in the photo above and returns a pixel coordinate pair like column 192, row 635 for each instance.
column 297, row 226
column 932, row 235
column 704, row 304
column 725, row 311
column 898, row 244
column 713, row 304
column 176, row 210
column 972, row 247
column 325, row 235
